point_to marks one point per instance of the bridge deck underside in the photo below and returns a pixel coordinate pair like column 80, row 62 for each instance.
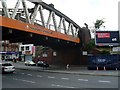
column 16, row 36
column 17, row 31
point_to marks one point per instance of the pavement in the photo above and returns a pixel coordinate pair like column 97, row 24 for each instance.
column 71, row 70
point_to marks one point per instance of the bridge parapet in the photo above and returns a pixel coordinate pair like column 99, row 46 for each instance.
column 56, row 20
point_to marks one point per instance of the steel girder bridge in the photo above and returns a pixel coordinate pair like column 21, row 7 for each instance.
column 52, row 28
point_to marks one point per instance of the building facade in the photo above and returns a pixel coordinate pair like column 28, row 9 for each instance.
column 9, row 50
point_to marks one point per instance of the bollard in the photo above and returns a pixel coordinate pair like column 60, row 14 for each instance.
column 97, row 67
column 67, row 66
column 116, row 69
column 104, row 68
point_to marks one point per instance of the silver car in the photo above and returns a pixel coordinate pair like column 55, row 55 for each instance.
column 7, row 67
column 29, row 63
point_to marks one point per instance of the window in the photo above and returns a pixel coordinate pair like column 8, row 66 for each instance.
column 6, row 64
column 27, row 48
column 22, row 48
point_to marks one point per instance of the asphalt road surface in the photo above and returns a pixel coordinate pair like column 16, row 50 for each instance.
column 33, row 79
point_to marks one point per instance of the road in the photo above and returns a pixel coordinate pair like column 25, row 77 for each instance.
column 33, row 79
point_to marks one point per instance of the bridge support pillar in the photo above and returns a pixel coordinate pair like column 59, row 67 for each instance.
column 67, row 56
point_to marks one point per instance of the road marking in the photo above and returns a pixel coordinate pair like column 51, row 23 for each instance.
column 24, row 80
column 29, row 74
column 104, row 81
column 82, row 79
column 65, row 78
column 39, row 76
column 54, row 85
column 50, row 77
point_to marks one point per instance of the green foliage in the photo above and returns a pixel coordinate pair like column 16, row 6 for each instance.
column 90, row 45
column 105, row 52
column 39, row 50
column 99, row 23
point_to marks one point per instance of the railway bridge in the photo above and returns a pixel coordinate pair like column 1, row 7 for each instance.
column 41, row 24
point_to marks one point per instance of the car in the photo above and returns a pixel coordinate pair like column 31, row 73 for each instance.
column 19, row 59
column 7, row 67
column 9, row 59
column 42, row 64
column 30, row 63
column 45, row 65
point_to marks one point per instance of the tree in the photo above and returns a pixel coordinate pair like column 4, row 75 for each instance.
column 40, row 50
column 105, row 52
column 90, row 45
column 99, row 23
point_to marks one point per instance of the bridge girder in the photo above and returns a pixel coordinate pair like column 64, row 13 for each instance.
column 26, row 38
column 29, row 14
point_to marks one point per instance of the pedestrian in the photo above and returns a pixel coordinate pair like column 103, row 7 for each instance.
column 67, row 66
column 14, row 60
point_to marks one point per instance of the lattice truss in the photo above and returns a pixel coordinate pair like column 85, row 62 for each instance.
column 55, row 20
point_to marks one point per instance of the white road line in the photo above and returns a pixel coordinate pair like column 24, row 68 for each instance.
column 65, row 78
column 104, row 81
column 82, row 79
column 29, row 74
column 50, row 77
column 54, row 85
column 39, row 76
column 24, row 80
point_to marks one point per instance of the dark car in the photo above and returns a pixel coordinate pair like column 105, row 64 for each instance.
column 46, row 65
column 42, row 64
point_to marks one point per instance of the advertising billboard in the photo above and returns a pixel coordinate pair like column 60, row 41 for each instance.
column 107, row 38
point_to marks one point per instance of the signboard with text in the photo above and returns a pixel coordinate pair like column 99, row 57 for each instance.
column 107, row 38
